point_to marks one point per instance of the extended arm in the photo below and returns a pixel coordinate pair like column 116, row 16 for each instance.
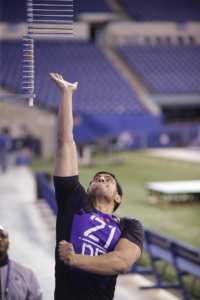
column 66, row 155
column 112, row 263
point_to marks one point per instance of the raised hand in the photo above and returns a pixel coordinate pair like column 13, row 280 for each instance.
column 62, row 84
column 66, row 253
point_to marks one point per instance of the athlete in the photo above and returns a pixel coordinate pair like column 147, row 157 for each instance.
column 92, row 245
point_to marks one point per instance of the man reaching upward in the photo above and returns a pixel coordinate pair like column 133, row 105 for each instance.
column 92, row 245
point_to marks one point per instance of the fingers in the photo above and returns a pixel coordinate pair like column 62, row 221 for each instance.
column 66, row 252
column 53, row 76
column 59, row 76
column 65, row 247
column 63, row 242
column 62, row 84
column 75, row 84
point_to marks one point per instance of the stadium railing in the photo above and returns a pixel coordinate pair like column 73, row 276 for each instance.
column 46, row 191
column 184, row 258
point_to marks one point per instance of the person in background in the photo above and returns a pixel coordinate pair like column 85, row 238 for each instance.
column 4, row 142
column 17, row 281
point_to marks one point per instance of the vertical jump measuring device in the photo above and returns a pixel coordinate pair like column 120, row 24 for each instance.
column 47, row 19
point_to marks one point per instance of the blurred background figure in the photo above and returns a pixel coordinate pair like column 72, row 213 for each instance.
column 17, row 281
column 4, row 145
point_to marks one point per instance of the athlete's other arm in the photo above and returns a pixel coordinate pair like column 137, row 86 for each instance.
column 66, row 156
column 112, row 263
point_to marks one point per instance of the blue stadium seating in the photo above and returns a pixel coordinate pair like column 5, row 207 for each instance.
column 82, row 6
column 155, row 10
column 165, row 10
column 101, row 88
column 14, row 11
column 166, row 69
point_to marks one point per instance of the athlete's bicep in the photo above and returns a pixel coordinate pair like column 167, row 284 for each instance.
column 66, row 160
column 129, row 252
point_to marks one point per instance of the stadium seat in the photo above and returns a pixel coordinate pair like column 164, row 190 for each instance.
column 82, row 6
column 101, row 87
column 166, row 69
column 14, row 11
column 165, row 10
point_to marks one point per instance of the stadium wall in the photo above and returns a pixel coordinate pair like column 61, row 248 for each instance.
column 40, row 123
column 148, row 131
column 121, row 33
column 15, row 31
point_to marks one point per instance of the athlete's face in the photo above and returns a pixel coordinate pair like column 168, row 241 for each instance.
column 103, row 185
column 4, row 243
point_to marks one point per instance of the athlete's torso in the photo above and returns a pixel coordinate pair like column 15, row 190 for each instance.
column 91, row 232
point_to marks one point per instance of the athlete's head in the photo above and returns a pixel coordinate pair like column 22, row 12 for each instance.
column 4, row 243
column 104, row 184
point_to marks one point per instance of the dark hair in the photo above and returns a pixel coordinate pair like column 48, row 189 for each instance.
column 119, row 188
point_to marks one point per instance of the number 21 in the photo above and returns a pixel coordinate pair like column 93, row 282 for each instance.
column 93, row 229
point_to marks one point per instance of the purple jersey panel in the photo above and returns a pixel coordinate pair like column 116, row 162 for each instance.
column 93, row 234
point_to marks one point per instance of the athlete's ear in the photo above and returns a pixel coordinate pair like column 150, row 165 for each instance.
column 117, row 199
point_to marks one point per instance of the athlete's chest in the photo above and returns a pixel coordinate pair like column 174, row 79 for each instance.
column 94, row 234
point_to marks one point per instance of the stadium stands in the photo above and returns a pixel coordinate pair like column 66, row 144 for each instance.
column 101, row 87
column 14, row 11
column 165, row 10
column 166, row 69
column 82, row 6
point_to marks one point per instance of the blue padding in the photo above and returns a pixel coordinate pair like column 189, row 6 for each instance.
column 188, row 267
column 92, row 126
column 161, row 254
column 47, row 191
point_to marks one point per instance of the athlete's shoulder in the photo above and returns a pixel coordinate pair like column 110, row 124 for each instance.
column 132, row 230
column 127, row 222
column 131, row 221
